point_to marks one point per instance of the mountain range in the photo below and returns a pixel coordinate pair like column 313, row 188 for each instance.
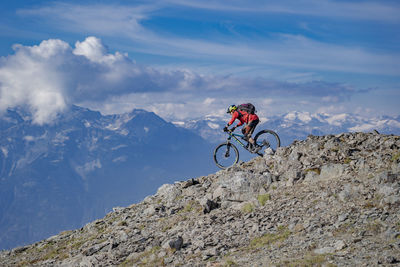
column 297, row 125
column 61, row 175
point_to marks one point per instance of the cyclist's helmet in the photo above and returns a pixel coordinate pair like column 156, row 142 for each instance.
column 230, row 108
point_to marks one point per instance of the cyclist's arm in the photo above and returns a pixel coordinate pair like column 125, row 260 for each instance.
column 235, row 115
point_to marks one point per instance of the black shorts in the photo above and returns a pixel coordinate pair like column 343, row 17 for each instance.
column 252, row 125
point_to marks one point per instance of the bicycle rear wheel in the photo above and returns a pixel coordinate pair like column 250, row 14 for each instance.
column 267, row 139
column 226, row 155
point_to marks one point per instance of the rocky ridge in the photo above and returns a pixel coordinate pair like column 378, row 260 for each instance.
column 326, row 201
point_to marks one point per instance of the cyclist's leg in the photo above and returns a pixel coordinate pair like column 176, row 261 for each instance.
column 245, row 131
column 250, row 130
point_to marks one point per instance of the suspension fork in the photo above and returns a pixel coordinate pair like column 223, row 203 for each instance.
column 228, row 146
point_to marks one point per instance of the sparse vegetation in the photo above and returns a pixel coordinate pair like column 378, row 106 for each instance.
column 229, row 263
column 369, row 204
column 347, row 160
column 247, row 208
column 308, row 260
column 396, row 156
column 262, row 199
column 345, row 228
column 270, row 238
column 123, row 223
column 374, row 227
column 192, row 206
column 147, row 258
column 316, row 170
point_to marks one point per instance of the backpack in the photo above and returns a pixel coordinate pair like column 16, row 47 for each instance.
column 248, row 107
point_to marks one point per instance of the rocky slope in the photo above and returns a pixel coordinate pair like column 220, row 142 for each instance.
column 325, row 201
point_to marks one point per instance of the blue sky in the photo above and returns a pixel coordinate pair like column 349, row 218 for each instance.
column 189, row 58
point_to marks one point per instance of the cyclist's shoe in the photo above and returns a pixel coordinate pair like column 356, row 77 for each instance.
column 256, row 148
column 249, row 146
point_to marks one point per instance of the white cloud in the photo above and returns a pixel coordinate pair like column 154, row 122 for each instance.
column 331, row 109
column 52, row 75
column 267, row 101
column 5, row 151
column 29, row 78
column 330, row 99
column 112, row 19
column 49, row 76
column 209, row 101
column 92, row 49
column 29, row 138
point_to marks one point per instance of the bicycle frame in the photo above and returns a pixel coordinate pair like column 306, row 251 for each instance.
column 235, row 136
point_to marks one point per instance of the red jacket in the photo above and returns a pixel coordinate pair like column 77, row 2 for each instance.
column 243, row 117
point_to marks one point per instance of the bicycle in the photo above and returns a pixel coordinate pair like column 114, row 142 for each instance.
column 264, row 139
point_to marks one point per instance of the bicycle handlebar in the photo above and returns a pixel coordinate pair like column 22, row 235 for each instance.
column 229, row 130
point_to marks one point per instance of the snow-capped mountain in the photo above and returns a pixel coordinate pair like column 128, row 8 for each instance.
column 209, row 128
column 298, row 125
column 60, row 176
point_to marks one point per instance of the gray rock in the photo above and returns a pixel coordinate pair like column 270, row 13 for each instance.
column 342, row 217
column 209, row 205
column 331, row 171
column 349, row 192
column 149, row 211
column 387, row 190
column 92, row 250
column 339, row 245
column 324, row 250
column 169, row 192
column 176, row 243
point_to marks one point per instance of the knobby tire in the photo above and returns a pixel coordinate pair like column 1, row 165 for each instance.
column 270, row 137
column 220, row 152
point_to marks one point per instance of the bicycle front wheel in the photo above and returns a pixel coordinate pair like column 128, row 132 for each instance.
column 226, row 155
column 267, row 139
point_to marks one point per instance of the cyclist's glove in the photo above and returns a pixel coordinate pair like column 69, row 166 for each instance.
column 225, row 128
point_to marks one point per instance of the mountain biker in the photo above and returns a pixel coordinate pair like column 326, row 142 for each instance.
column 251, row 121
